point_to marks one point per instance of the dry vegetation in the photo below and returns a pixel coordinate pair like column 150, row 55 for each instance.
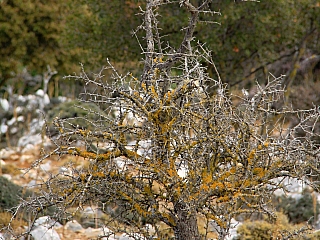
column 178, row 148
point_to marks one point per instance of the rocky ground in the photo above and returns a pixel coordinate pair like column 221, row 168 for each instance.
column 15, row 165
column 22, row 143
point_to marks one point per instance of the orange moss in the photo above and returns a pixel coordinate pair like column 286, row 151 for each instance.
column 95, row 168
column 98, row 157
column 206, row 177
column 217, row 184
column 169, row 218
column 217, row 220
column 83, row 176
column 140, row 210
column 223, row 199
column 172, row 172
column 147, row 190
column 251, row 156
column 99, row 174
column 260, row 172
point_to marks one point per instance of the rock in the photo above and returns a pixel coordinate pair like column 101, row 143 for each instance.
column 20, row 119
column 3, row 128
column 183, row 171
column 6, row 153
column 44, row 233
column 5, row 236
column 26, row 158
column 73, row 226
column 32, row 184
column 98, row 233
column 46, row 221
column 150, row 229
column 65, row 170
column 28, row 148
column 11, row 121
column 234, row 224
column 132, row 236
column 29, row 139
column 293, row 186
column 7, row 176
column 88, row 211
column 91, row 217
column 4, row 103
column 40, row 93
column 93, row 232
column 14, row 130
column 46, row 166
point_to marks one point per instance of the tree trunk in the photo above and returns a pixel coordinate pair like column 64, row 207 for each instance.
column 187, row 226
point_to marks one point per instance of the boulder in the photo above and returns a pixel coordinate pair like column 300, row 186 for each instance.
column 74, row 226
column 44, row 233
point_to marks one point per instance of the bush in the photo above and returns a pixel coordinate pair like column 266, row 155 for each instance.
column 10, row 194
column 298, row 210
column 264, row 230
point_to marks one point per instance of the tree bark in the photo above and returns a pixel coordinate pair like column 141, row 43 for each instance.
column 187, row 226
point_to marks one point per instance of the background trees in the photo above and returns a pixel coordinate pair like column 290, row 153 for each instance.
column 251, row 38
column 180, row 146
column 31, row 37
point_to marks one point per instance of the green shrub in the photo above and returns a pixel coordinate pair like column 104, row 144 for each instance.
column 81, row 113
column 10, row 194
column 298, row 210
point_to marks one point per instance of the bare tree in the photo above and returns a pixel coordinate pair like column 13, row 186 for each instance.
column 175, row 153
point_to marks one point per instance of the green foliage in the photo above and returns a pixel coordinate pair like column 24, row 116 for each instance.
column 30, row 36
column 10, row 194
column 81, row 114
column 104, row 29
column 298, row 210
column 250, row 38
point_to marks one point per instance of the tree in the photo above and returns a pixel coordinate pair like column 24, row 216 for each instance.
column 31, row 37
column 261, row 38
column 174, row 153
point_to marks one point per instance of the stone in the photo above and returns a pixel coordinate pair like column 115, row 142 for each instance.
column 26, row 158
column 6, row 153
column 97, row 233
column 150, row 229
column 44, row 233
column 74, row 226
column 7, row 176
column 14, row 157
column 132, row 236
column 45, row 166
column 4, row 103
column 3, row 128
column 46, row 221
column 232, row 234
column 32, row 184
column 29, row 139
